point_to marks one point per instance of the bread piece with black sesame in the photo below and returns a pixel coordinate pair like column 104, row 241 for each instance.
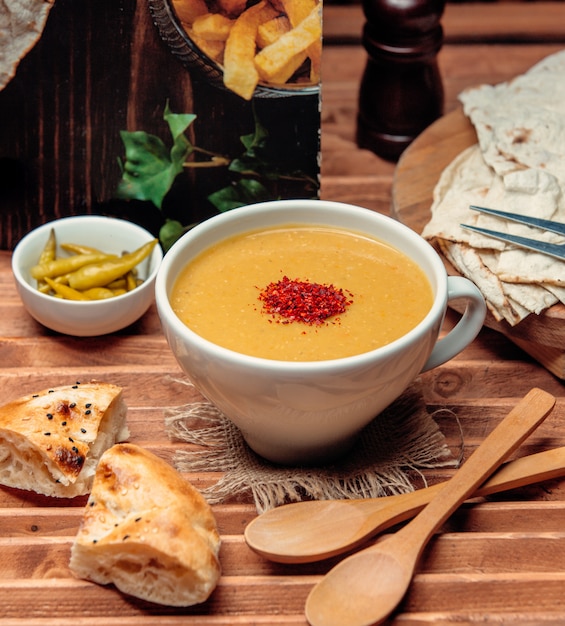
column 51, row 441
column 147, row 530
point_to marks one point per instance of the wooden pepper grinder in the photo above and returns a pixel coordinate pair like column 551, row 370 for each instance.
column 401, row 90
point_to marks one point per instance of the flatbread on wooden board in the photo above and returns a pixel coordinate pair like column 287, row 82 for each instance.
column 518, row 166
column 520, row 123
column 51, row 441
column 21, row 25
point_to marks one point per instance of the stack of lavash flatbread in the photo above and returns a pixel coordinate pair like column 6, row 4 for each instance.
column 518, row 166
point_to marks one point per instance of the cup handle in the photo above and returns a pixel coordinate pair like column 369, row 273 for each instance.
column 466, row 329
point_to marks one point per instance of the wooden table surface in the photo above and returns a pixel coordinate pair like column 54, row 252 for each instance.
column 501, row 561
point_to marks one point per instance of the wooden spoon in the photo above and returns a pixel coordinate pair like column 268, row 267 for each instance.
column 303, row 532
column 367, row 586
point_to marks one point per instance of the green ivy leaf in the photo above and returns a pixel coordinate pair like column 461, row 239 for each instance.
column 240, row 193
column 150, row 169
column 170, row 232
column 252, row 161
column 178, row 124
column 257, row 140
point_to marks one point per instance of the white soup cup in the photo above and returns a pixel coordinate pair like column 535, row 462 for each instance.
column 311, row 412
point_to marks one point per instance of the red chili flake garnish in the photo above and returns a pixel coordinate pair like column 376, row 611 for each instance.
column 303, row 301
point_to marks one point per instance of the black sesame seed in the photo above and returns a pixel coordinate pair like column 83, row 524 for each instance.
column 87, row 412
column 72, row 405
column 51, row 391
column 74, row 387
column 88, row 405
column 34, row 528
column 83, row 430
column 91, row 503
column 63, row 423
column 74, row 449
column 35, row 395
column 47, row 434
column 49, row 416
column 138, row 519
column 125, row 537
column 95, row 541
column 71, row 440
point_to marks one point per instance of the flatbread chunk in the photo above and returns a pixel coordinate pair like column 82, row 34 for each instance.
column 51, row 441
column 148, row 531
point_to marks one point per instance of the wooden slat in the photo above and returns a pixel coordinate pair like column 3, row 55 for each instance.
column 163, row 620
column 235, row 595
column 487, row 594
column 467, row 22
column 502, row 618
column 63, row 521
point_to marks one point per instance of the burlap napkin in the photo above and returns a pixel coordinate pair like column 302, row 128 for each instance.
column 402, row 441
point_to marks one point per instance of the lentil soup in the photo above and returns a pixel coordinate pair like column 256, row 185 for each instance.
column 301, row 293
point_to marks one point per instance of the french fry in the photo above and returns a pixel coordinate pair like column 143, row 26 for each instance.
column 271, row 60
column 270, row 31
column 211, row 48
column 315, row 53
column 267, row 34
column 298, row 10
column 189, row 10
column 240, row 72
column 285, row 73
column 212, row 26
column 233, row 8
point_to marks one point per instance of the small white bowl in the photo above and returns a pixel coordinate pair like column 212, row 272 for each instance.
column 99, row 317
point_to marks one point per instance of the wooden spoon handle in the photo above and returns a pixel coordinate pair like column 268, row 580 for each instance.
column 522, row 420
column 526, row 470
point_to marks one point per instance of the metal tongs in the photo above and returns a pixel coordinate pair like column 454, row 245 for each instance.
column 552, row 249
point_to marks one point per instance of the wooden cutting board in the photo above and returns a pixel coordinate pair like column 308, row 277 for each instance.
column 541, row 336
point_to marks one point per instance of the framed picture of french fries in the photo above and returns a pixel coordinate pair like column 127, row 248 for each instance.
column 185, row 108
column 254, row 68
column 261, row 48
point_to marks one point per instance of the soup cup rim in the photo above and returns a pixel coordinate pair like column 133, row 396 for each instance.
column 166, row 312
